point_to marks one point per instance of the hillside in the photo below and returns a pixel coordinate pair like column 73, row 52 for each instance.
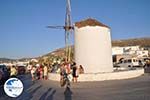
column 60, row 53
column 57, row 53
column 143, row 42
column 6, row 60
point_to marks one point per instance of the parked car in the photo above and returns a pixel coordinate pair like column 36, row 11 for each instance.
column 128, row 63
column 21, row 69
column 4, row 74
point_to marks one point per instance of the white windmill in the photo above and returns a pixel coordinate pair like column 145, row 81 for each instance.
column 92, row 43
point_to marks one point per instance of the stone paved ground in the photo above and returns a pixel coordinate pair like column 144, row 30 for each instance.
column 131, row 89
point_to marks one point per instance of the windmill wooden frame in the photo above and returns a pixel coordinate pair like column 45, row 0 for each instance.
column 68, row 27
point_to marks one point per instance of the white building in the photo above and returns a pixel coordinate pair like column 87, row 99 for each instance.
column 117, row 50
column 130, row 50
column 142, row 53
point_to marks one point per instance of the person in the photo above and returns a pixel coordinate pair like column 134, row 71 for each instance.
column 68, row 70
column 81, row 70
column 147, row 64
column 38, row 72
column 29, row 67
column 45, row 72
column 13, row 71
column 64, row 76
column 33, row 72
column 41, row 71
column 74, row 72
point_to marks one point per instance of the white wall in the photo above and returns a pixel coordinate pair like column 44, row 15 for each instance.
column 142, row 53
column 117, row 50
column 134, row 48
column 102, row 76
column 93, row 49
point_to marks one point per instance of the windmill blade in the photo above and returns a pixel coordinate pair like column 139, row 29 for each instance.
column 68, row 6
column 56, row 27
column 68, row 22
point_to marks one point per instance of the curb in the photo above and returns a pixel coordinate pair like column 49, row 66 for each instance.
column 102, row 76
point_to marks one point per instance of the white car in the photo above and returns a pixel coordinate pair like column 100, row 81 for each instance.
column 128, row 63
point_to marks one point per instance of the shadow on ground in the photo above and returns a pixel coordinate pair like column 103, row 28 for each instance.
column 68, row 94
column 27, row 95
column 45, row 96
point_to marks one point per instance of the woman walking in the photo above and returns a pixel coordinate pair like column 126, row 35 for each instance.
column 33, row 73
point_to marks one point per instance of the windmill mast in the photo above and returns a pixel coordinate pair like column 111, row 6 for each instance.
column 68, row 30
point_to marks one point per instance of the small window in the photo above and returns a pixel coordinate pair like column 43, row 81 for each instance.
column 125, row 61
column 135, row 60
column 129, row 61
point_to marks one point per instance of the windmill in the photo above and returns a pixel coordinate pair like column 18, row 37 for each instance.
column 68, row 27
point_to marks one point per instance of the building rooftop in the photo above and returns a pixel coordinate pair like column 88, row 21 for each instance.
column 90, row 22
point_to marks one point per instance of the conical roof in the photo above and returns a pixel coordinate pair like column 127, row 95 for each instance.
column 90, row 22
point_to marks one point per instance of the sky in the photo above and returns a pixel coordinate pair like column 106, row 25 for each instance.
column 23, row 31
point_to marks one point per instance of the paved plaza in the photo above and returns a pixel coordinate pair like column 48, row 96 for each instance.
column 130, row 89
